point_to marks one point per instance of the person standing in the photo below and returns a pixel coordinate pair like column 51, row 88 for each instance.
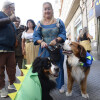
column 84, row 39
column 18, row 49
column 28, row 48
column 7, row 45
column 47, row 31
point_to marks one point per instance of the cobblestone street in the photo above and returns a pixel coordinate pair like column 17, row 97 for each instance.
column 93, row 86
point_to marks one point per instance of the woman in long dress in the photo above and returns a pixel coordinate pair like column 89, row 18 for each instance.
column 46, row 32
column 29, row 50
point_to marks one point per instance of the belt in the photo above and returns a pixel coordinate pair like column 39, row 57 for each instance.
column 27, row 41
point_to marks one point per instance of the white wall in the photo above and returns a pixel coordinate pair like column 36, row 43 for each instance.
column 65, row 9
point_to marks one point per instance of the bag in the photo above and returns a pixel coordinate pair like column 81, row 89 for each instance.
column 86, row 44
column 54, row 53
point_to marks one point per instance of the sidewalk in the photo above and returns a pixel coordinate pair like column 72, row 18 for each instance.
column 93, row 86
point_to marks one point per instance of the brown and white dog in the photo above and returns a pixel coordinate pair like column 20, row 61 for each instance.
column 75, row 55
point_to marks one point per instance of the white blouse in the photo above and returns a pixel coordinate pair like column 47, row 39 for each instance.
column 27, row 36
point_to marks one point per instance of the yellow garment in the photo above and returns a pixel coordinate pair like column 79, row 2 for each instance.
column 86, row 44
column 31, row 52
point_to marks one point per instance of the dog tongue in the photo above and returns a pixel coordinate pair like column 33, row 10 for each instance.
column 56, row 75
column 67, row 51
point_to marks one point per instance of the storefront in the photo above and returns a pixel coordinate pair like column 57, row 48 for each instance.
column 98, row 35
column 97, row 11
column 78, row 26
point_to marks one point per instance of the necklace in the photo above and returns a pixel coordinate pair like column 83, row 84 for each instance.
column 49, row 22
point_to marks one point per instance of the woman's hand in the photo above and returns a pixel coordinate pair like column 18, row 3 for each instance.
column 53, row 42
column 23, row 51
column 89, row 36
column 43, row 44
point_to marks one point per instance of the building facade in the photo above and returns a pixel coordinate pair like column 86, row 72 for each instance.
column 77, row 14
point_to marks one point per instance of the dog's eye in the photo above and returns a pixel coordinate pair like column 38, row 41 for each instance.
column 49, row 65
column 48, row 62
column 71, row 44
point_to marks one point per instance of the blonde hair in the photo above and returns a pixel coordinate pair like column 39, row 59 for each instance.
column 49, row 4
column 7, row 4
column 52, row 19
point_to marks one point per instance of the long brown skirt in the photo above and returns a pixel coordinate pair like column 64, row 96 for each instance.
column 31, row 52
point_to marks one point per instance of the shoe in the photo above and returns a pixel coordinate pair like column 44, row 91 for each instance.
column 17, row 80
column 11, row 87
column 62, row 90
column 22, row 74
column 4, row 93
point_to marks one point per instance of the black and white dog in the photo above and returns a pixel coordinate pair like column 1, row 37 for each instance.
column 46, row 68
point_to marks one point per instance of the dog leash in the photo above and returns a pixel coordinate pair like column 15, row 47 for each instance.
column 42, row 53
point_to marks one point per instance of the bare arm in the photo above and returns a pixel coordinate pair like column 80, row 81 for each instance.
column 89, row 36
column 39, row 41
column 59, row 39
column 78, row 39
column 23, row 46
column 53, row 42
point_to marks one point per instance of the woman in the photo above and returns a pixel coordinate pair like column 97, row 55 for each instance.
column 28, row 48
column 46, row 32
column 85, row 39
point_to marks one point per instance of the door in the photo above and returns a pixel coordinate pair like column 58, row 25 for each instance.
column 99, row 36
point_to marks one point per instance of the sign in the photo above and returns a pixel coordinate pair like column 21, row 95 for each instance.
column 97, row 8
column 78, row 20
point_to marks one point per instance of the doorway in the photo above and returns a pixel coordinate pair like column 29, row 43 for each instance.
column 98, row 49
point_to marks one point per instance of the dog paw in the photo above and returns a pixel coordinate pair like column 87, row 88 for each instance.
column 68, row 94
column 85, row 95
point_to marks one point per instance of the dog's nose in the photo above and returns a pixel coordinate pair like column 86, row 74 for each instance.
column 56, row 69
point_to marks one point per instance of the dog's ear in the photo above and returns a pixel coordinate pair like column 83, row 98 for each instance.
column 82, row 51
column 61, row 41
column 37, row 65
column 60, row 45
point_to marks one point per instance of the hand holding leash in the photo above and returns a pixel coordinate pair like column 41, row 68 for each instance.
column 43, row 44
column 53, row 42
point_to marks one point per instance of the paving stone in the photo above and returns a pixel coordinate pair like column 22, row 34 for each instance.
column 93, row 86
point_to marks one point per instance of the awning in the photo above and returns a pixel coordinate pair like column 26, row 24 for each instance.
column 97, row 8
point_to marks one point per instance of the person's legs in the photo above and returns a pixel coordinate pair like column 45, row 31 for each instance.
column 11, row 67
column 2, row 69
column 60, row 79
column 2, row 77
column 19, row 60
column 16, row 59
column 3, row 91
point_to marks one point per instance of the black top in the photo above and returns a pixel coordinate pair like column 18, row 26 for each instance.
column 84, row 37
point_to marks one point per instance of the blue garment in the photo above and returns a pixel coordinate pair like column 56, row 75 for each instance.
column 49, row 33
column 7, row 35
column 89, row 59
